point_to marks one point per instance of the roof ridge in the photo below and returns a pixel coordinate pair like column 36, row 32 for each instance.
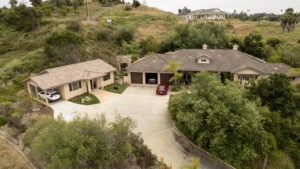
column 252, row 57
column 163, row 59
column 73, row 64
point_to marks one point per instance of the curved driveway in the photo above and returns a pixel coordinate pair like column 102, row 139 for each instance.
column 151, row 116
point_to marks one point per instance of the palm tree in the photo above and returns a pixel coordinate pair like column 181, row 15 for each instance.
column 174, row 67
column 195, row 164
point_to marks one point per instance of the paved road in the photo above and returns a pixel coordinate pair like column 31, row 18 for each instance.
column 151, row 115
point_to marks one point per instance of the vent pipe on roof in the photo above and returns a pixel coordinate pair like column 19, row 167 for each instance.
column 235, row 47
column 204, row 46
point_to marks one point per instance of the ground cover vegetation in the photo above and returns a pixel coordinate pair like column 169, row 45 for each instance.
column 84, row 143
column 241, row 126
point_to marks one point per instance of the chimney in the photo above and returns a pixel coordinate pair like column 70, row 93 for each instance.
column 204, row 46
column 235, row 47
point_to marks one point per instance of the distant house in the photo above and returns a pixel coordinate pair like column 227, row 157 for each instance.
column 71, row 80
column 213, row 14
column 230, row 64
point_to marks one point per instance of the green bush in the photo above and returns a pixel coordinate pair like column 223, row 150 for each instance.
column 220, row 119
column 128, row 8
column 125, row 33
column 74, row 26
column 64, row 11
column 22, row 18
column 3, row 120
column 105, row 35
column 136, row 4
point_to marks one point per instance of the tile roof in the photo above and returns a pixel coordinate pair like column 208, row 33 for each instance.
column 54, row 77
column 207, row 11
column 219, row 61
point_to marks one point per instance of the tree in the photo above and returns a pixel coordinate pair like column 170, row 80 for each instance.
column 59, row 3
column 183, row 11
column 276, row 93
column 253, row 45
column 150, row 44
column 193, row 37
column 289, row 20
column 63, row 48
column 13, row 3
column 23, row 18
column 84, row 143
column 125, row 33
column 35, row 3
column 220, row 119
column 174, row 67
column 136, row 4
column 282, row 121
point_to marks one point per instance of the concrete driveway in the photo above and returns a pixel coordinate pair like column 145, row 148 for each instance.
column 151, row 115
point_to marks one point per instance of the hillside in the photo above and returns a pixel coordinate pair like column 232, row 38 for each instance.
column 266, row 28
column 20, row 49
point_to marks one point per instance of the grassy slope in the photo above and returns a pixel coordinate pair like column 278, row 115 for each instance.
column 19, row 47
column 265, row 28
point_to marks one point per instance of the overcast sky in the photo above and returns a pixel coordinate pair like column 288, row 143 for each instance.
column 270, row 6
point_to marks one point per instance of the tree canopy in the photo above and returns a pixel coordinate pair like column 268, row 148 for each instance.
column 64, row 48
column 289, row 20
column 84, row 143
column 22, row 18
column 220, row 119
column 190, row 36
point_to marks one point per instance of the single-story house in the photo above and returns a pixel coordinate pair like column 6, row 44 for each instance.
column 71, row 80
column 232, row 64
column 213, row 14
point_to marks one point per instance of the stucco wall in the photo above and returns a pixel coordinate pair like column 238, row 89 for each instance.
column 70, row 94
column 108, row 82
column 28, row 83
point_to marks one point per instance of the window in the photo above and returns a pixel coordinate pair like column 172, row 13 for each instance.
column 203, row 60
column 106, row 77
column 75, row 85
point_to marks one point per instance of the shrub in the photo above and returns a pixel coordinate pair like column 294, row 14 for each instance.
column 74, row 26
column 128, row 8
column 64, row 11
column 125, row 33
column 2, row 120
column 105, row 35
column 136, row 4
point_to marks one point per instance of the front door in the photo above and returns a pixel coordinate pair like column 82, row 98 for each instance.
column 93, row 84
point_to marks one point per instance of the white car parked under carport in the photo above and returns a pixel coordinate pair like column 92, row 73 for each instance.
column 52, row 95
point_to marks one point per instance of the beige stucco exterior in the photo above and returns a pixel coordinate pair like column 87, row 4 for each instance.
column 65, row 92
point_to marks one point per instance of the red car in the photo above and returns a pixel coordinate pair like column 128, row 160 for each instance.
column 162, row 89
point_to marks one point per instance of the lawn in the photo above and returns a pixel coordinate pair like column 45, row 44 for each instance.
column 85, row 99
column 116, row 88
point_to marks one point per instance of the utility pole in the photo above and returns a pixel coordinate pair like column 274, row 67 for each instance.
column 87, row 11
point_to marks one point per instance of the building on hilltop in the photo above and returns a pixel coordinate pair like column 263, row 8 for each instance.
column 204, row 15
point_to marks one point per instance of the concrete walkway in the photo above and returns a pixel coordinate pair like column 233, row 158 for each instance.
column 150, row 114
column 103, row 95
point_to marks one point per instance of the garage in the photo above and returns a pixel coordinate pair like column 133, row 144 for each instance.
column 136, row 78
column 165, row 78
column 151, row 78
